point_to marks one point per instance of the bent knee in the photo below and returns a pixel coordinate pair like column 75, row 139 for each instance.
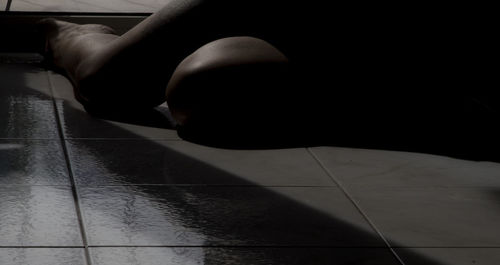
column 229, row 79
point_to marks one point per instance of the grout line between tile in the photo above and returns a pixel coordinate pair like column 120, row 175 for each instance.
column 30, row 139
column 74, row 188
column 358, row 207
column 125, row 139
column 247, row 246
column 258, row 246
column 236, row 246
column 34, row 185
column 187, row 185
column 40, row 247
column 451, row 247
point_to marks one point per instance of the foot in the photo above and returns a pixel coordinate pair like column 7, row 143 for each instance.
column 63, row 38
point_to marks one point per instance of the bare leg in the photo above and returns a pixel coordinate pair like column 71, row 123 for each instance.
column 133, row 70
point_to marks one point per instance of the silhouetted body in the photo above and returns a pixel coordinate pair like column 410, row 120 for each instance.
column 133, row 69
column 365, row 75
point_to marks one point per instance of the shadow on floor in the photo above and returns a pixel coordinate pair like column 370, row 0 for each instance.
column 156, row 118
column 270, row 219
column 261, row 217
column 458, row 126
column 267, row 220
column 465, row 134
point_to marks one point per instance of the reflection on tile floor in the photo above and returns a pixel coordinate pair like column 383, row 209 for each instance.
column 38, row 118
column 77, row 189
column 134, row 6
column 104, row 162
column 42, row 256
column 38, row 216
column 25, row 95
column 32, row 162
column 197, row 216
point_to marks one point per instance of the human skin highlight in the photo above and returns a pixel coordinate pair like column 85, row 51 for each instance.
column 132, row 70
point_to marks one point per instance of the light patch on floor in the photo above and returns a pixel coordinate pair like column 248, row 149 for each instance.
column 75, row 189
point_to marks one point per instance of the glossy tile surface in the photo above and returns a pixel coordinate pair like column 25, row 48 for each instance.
column 38, row 216
column 363, row 167
column 451, row 256
column 28, row 119
column 147, row 6
column 434, row 217
column 98, row 162
column 25, row 104
column 32, row 162
column 229, row 216
column 23, row 80
column 77, row 123
column 42, row 256
column 241, row 256
column 147, row 197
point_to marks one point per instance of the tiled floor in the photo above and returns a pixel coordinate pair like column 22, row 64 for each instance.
column 75, row 189
column 134, row 6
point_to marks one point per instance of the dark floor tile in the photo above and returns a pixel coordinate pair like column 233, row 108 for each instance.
column 230, row 216
column 378, row 168
column 433, row 217
column 38, row 216
column 178, row 162
column 279, row 167
column 32, row 162
column 450, row 256
column 242, row 256
column 42, row 256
